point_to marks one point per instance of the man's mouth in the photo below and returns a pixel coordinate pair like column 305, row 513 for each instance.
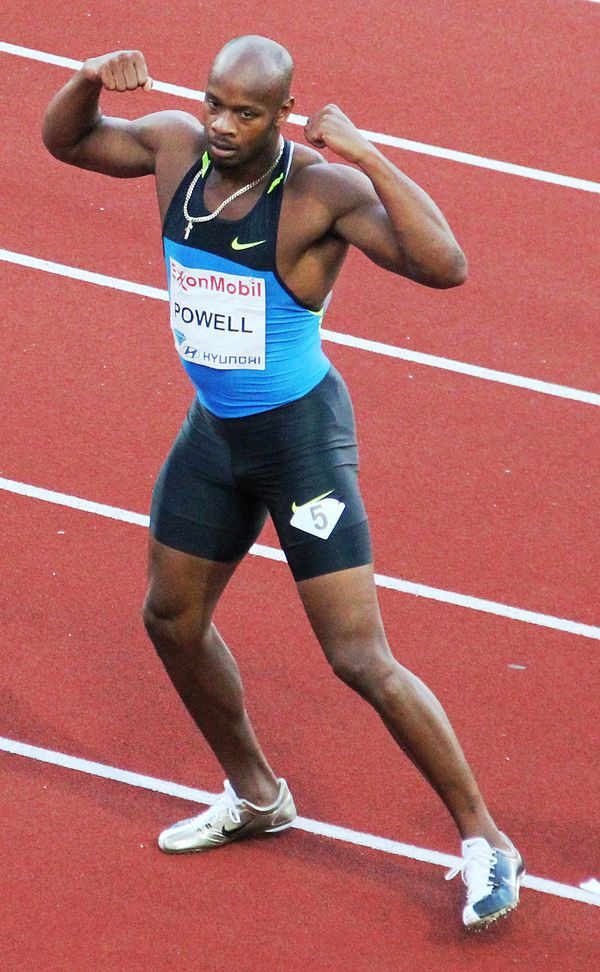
column 221, row 149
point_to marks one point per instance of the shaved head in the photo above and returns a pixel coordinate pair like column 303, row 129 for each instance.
column 258, row 64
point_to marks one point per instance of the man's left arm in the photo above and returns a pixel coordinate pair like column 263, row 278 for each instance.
column 388, row 216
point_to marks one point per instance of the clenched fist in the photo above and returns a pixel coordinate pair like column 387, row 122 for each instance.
column 120, row 71
column 331, row 128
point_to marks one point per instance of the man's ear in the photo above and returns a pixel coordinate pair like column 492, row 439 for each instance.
column 285, row 111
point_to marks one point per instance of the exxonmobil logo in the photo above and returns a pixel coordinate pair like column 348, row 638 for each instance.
column 190, row 281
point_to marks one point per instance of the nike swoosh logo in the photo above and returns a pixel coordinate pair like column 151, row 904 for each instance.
column 295, row 507
column 236, row 245
column 235, row 830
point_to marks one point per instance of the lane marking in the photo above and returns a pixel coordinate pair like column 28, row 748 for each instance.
column 272, row 553
column 355, row 837
column 334, row 337
column 463, row 368
column 592, row 885
column 379, row 138
column 87, row 276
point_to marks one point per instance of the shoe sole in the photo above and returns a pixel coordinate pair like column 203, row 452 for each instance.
column 242, row 836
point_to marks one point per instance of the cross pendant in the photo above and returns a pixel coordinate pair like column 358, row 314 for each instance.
column 188, row 230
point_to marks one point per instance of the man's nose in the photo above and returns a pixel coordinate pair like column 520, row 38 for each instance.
column 224, row 123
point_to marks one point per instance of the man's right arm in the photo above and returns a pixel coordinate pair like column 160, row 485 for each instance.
column 75, row 130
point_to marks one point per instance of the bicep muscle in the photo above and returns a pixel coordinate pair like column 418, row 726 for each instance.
column 115, row 147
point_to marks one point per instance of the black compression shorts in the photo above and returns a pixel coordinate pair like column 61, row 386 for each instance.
column 297, row 462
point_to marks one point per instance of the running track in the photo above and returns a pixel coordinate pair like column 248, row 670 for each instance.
column 473, row 486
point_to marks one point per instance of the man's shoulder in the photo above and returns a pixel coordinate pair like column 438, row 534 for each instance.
column 314, row 175
column 172, row 128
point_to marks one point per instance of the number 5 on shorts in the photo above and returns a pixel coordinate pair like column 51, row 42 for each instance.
column 318, row 517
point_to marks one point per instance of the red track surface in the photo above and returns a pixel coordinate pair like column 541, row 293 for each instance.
column 474, row 487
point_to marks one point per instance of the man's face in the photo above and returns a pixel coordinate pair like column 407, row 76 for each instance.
column 240, row 119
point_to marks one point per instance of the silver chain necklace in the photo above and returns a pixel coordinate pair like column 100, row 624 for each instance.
column 204, row 219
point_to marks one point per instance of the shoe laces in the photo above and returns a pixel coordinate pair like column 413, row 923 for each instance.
column 228, row 802
column 477, row 870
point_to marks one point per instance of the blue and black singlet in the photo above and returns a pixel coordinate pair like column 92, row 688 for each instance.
column 247, row 343
column 271, row 430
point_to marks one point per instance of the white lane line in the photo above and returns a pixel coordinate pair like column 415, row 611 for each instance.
column 592, row 884
column 421, row 148
column 272, row 553
column 355, row 837
column 463, row 368
column 334, row 337
column 87, row 276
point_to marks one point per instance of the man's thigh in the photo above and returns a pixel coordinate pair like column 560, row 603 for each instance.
column 183, row 586
column 312, row 489
column 197, row 508
column 343, row 610
column 321, row 522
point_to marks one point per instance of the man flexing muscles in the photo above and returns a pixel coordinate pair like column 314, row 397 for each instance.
column 255, row 231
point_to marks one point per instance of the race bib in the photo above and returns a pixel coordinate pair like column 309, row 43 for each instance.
column 218, row 319
column 318, row 517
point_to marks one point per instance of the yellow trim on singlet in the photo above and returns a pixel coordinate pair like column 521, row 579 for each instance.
column 276, row 182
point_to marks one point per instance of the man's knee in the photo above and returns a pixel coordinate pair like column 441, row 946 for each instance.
column 156, row 618
column 367, row 669
column 182, row 594
column 171, row 626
